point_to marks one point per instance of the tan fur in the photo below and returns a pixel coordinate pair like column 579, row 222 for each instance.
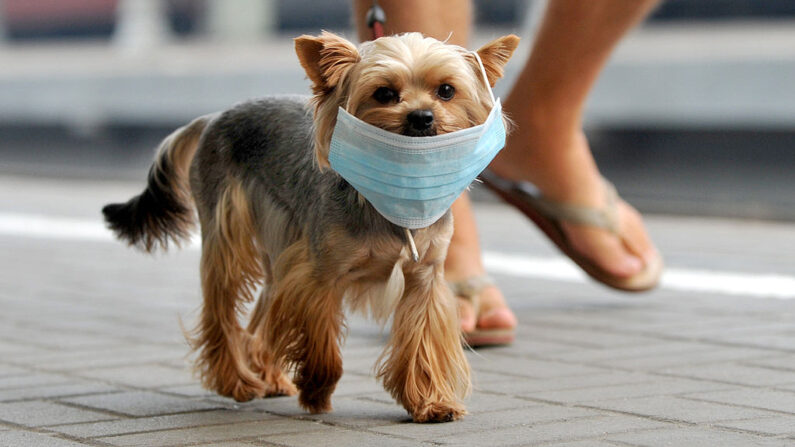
column 303, row 327
column 495, row 55
column 231, row 268
column 297, row 322
column 424, row 367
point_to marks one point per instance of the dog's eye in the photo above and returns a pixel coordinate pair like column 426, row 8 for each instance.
column 445, row 92
column 385, row 95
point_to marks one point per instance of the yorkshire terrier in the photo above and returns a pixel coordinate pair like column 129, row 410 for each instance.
column 272, row 213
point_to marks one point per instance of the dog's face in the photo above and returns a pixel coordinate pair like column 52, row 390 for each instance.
column 406, row 84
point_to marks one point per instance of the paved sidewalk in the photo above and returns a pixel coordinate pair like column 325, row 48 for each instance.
column 91, row 351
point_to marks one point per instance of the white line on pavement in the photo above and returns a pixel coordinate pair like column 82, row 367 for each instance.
column 758, row 285
column 755, row 285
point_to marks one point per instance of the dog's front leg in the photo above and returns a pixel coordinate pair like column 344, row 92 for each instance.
column 425, row 368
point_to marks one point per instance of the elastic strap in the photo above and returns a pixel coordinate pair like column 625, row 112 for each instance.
column 485, row 77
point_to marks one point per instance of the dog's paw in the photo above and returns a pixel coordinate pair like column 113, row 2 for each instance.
column 315, row 401
column 437, row 412
column 279, row 385
column 245, row 390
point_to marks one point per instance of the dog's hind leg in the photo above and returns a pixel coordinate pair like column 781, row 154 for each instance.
column 231, row 267
column 303, row 327
column 425, row 369
column 263, row 362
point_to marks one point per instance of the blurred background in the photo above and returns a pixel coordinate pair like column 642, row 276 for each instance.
column 694, row 115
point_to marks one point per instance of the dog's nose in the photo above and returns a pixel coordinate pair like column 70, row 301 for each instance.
column 420, row 119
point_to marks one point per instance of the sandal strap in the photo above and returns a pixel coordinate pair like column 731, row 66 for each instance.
column 605, row 218
column 470, row 288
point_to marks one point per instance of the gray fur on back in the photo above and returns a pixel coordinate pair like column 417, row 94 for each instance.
column 268, row 145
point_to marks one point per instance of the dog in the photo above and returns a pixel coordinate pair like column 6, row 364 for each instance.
column 273, row 214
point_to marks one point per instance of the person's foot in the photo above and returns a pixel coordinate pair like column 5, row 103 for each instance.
column 462, row 265
column 558, row 161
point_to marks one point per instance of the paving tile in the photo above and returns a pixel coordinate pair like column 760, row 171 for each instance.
column 337, row 437
column 226, row 432
column 526, row 367
column 98, row 358
column 735, row 373
column 480, row 378
column 762, row 340
column 191, row 390
column 487, row 421
column 590, row 338
column 526, row 385
column 229, row 444
column 569, row 430
column 141, row 376
column 9, row 370
column 281, row 405
column 183, row 420
column 785, row 362
column 765, row 399
column 695, row 437
column 20, row 438
column 141, row 403
column 355, row 384
column 347, row 412
column 679, row 409
column 534, row 347
column 644, row 351
column 34, row 379
column 788, row 387
column 776, row 426
column 476, row 402
column 53, row 391
column 660, row 387
column 40, row 413
column 688, row 358
column 485, row 402
column 587, row 443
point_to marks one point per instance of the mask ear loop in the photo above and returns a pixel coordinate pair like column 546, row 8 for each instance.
column 485, row 76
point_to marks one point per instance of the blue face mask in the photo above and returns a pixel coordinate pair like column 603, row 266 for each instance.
column 413, row 181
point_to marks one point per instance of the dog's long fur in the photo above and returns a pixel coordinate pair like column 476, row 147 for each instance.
column 269, row 214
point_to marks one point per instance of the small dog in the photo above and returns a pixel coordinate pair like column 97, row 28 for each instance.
column 271, row 212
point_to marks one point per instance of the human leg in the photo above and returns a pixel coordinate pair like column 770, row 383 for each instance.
column 548, row 146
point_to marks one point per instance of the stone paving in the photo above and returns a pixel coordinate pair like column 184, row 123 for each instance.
column 91, row 350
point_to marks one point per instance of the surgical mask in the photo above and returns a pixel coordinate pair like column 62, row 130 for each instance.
column 413, row 181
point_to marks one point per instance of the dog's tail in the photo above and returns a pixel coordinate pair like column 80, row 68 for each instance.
column 163, row 212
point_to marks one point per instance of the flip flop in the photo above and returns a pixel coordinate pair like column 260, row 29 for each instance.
column 548, row 215
column 470, row 290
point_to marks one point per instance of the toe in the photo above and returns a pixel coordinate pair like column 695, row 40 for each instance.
column 494, row 311
column 604, row 249
column 499, row 318
column 466, row 315
column 636, row 239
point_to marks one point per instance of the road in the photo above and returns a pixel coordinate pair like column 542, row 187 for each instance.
column 91, row 350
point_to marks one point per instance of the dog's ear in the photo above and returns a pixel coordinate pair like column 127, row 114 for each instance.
column 495, row 55
column 326, row 59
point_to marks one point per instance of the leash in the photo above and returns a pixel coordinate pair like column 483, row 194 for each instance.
column 376, row 17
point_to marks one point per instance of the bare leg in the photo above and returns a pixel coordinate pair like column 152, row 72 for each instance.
column 437, row 19
column 548, row 146
column 464, row 260
column 440, row 20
